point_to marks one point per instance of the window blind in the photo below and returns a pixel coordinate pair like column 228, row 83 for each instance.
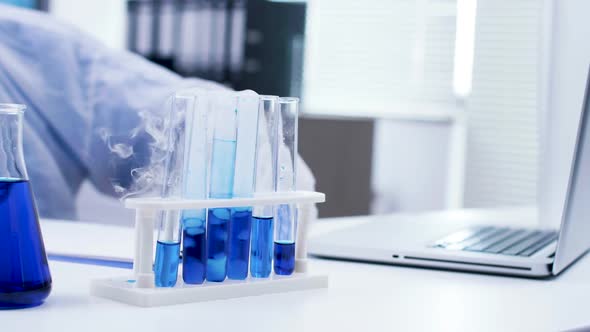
column 379, row 56
column 502, row 143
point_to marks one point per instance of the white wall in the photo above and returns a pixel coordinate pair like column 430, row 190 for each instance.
column 104, row 19
column 501, row 165
column 410, row 165
column 569, row 60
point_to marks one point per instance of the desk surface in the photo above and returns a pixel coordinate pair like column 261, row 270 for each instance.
column 361, row 297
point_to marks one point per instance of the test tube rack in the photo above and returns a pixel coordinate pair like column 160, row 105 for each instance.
column 139, row 289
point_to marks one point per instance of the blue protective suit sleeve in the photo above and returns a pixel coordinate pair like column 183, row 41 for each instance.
column 78, row 92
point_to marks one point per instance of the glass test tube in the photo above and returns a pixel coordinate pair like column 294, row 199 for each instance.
column 265, row 182
column 223, row 157
column 239, row 227
column 194, row 186
column 286, row 214
column 168, row 245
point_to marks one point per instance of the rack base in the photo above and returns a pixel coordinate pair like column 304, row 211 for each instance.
column 124, row 290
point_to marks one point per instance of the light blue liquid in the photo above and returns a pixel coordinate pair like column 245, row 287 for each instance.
column 223, row 160
column 261, row 251
column 166, row 265
column 239, row 243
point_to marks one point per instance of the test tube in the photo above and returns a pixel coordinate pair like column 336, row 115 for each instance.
column 286, row 214
column 223, row 157
column 194, row 186
column 168, row 244
column 239, row 227
column 167, row 250
column 265, row 182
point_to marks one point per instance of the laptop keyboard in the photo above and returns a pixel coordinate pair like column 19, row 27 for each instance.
column 498, row 240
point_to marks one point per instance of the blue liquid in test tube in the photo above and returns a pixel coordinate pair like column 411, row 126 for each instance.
column 221, row 186
column 239, row 243
column 167, row 250
column 261, row 260
column 193, row 247
column 284, row 252
column 166, row 265
column 217, row 244
column 239, row 228
column 265, row 182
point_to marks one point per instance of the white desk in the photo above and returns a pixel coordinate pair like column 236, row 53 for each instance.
column 361, row 297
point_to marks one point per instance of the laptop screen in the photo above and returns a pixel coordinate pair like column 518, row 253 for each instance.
column 574, row 236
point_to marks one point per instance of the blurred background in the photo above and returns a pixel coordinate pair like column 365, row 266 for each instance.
column 408, row 105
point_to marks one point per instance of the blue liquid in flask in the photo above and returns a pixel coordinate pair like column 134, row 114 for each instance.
column 194, row 258
column 284, row 258
column 25, row 280
column 261, row 259
column 239, row 243
column 166, row 265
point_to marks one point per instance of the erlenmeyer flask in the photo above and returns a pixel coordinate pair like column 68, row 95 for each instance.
column 25, row 280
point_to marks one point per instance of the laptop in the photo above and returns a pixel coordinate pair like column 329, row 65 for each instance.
column 468, row 246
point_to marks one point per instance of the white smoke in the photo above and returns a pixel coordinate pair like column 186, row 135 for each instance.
column 121, row 150
column 147, row 179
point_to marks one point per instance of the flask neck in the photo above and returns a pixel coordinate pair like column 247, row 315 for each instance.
column 12, row 163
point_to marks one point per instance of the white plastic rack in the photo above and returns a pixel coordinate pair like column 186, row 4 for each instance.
column 139, row 289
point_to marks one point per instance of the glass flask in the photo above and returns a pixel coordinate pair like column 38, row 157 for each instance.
column 25, row 280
